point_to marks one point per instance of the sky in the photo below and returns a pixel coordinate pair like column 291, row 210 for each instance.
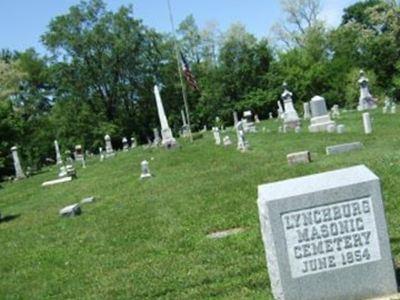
column 22, row 22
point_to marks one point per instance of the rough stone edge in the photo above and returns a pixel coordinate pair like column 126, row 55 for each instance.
column 270, row 251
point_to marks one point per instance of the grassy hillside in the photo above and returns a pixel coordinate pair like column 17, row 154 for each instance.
column 147, row 239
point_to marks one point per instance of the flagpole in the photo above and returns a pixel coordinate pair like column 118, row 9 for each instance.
column 184, row 95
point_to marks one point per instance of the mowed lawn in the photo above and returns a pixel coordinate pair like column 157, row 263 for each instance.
column 147, row 239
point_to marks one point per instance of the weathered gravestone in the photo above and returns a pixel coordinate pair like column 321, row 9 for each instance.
column 342, row 148
column 303, row 157
column 325, row 236
column 19, row 174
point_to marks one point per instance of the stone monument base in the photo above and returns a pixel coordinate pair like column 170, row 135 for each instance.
column 110, row 154
column 169, row 144
column 320, row 124
column 293, row 124
column 366, row 107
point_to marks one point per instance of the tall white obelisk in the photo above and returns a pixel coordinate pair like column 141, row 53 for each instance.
column 166, row 133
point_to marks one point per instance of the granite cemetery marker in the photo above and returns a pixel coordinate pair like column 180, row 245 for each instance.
column 321, row 119
column 157, row 138
column 290, row 116
column 58, row 154
column 19, row 174
column 248, row 123
column 125, row 145
column 109, row 148
column 133, row 143
column 217, row 135
column 325, row 236
column 185, row 132
column 367, row 123
column 242, row 143
column 366, row 100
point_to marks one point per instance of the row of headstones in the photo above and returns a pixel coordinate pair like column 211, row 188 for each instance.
column 241, row 127
column 316, row 110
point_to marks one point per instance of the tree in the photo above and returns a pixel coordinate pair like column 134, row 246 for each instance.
column 301, row 15
column 190, row 39
column 109, row 60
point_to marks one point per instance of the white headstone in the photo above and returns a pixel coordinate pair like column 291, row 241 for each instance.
column 133, row 143
column 270, row 116
column 79, row 156
column 166, row 133
column 335, row 112
column 290, row 116
column 157, row 139
column 217, row 135
column 101, row 153
column 242, row 145
column 320, row 120
column 331, row 128
column 227, row 141
column 19, row 174
column 367, row 123
column 185, row 130
column 248, row 124
column 125, row 145
column 326, row 237
column 71, row 210
column 280, row 110
column 235, row 118
column 58, row 154
column 57, row 181
column 145, row 170
column 341, row 129
column 366, row 100
column 109, row 148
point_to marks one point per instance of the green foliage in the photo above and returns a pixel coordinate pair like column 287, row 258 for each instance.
column 99, row 78
column 358, row 12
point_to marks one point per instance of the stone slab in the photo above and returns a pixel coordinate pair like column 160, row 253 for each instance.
column 342, row 148
column 57, row 181
column 87, row 200
column 303, row 157
column 71, row 210
column 224, row 233
column 325, row 236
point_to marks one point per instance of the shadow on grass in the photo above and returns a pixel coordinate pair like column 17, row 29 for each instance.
column 9, row 218
column 397, row 272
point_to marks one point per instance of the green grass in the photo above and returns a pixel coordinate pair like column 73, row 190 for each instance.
column 147, row 239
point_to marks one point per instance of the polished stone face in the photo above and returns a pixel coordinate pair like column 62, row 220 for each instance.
column 318, row 107
column 325, row 236
column 331, row 237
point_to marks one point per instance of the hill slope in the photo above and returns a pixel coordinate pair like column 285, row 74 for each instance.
column 147, row 239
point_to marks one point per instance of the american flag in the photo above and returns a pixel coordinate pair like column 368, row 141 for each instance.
column 188, row 74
